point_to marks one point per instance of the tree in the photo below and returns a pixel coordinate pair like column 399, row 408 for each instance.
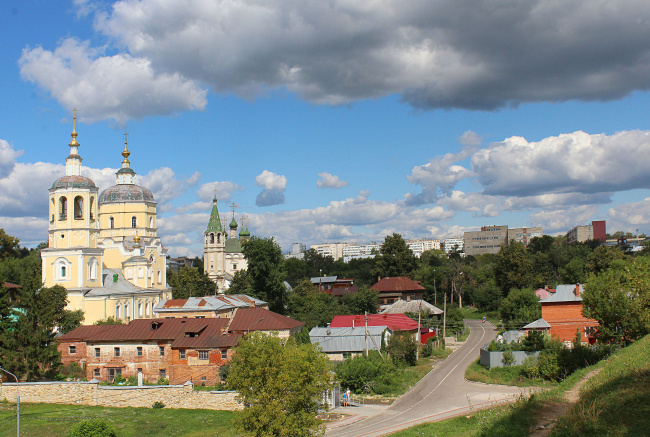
column 296, row 270
column 541, row 244
column 71, row 320
column 280, row 385
column 308, row 305
column 402, row 348
column 396, row 258
column 602, row 258
column 365, row 300
column 190, row 282
column 264, row 258
column 241, row 283
column 514, row 267
column 519, row 308
column 619, row 298
column 318, row 264
column 9, row 246
column 109, row 321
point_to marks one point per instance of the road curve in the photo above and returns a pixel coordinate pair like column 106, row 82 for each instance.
column 441, row 394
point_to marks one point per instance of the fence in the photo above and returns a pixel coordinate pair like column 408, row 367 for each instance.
column 91, row 393
column 495, row 359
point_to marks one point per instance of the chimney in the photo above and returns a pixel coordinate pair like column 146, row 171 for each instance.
column 546, row 287
column 224, row 331
column 577, row 290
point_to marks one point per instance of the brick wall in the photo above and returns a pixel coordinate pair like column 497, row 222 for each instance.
column 565, row 318
column 90, row 393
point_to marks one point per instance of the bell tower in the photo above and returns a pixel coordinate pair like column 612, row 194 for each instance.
column 214, row 247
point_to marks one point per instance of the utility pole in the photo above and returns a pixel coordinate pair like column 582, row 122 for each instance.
column 417, row 351
column 444, row 319
column 366, row 335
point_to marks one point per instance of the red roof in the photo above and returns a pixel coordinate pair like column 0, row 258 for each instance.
column 208, row 333
column 543, row 293
column 260, row 319
column 397, row 283
column 394, row 321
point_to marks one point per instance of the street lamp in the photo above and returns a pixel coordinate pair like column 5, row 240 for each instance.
column 249, row 326
column 17, row 402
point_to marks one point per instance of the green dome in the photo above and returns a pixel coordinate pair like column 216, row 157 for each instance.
column 233, row 224
column 245, row 233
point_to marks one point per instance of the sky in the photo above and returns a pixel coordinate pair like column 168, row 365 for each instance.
column 333, row 121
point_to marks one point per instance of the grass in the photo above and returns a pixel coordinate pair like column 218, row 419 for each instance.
column 614, row 403
column 52, row 420
column 510, row 375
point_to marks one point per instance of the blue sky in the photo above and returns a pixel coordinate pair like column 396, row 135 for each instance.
column 333, row 121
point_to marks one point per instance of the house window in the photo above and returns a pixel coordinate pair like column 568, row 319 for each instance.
column 134, row 222
column 590, row 331
column 181, row 354
column 162, row 350
column 96, row 373
column 139, row 351
column 97, row 352
column 203, row 355
column 112, row 373
column 72, row 349
column 162, row 374
column 224, row 354
column 116, row 351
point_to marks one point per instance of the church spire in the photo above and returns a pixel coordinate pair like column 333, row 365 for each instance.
column 73, row 163
column 214, row 225
column 125, row 175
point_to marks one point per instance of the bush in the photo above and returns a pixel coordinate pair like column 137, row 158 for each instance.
column 402, row 349
column 92, row 428
column 158, row 404
column 548, row 365
column 530, row 368
column 361, row 373
column 73, row 371
column 508, row 358
column 162, row 381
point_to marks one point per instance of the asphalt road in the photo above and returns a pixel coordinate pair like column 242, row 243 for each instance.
column 441, row 394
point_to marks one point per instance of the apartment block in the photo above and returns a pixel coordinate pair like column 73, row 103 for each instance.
column 594, row 231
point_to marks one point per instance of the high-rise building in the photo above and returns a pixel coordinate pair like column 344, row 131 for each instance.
column 594, row 231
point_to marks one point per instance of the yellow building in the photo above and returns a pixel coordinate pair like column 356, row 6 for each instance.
column 104, row 249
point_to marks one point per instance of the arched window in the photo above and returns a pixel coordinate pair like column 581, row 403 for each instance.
column 92, row 207
column 151, row 222
column 211, row 238
column 118, row 311
column 78, row 208
column 62, row 269
column 129, row 273
column 159, row 276
column 63, row 203
column 134, row 222
column 218, row 238
column 126, row 312
column 140, row 272
column 111, row 222
column 92, row 269
column 146, row 308
column 139, row 309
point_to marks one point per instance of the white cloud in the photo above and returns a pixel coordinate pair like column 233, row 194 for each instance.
column 23, row 193
column 438, row 177
column 329, row 181
column 30, row 230
column 274, row 186
column 561, row 220
column 119, row 87
column 630, row 216
column 164, row 185
column 470, row 138
column 7, row 158
column 577, row 162
column 206, row 192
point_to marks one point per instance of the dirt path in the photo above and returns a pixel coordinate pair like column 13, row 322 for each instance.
column 551, row 411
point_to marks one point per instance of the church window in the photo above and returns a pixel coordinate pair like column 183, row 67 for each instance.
column 129, row 273
column 151, row 222
column 62, row 269
column 118, row 311
column 92, row 269
column 63, row 203
column 218, row 238
column 111, row 222
column 146, row 308
column 211, row 238
column 159, row 276
column 78, row 208
column 140, row 272
column 139, row 309
column 234, row 266
column 126, row 312
column 151, row 258
column 92, row 206
column 134, row 222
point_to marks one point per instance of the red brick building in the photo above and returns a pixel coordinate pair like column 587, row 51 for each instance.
column 395, row 288
column 562, row 310
column 178, row 349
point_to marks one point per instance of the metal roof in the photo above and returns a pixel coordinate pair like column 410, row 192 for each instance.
column 260, row 319
column 565, row 293
column 393, row 321
column 414, row 306
column 537, row 324
column 207, row 303
column 397, row 283
column 121, row 287
column 323, row 279
column 347, row 339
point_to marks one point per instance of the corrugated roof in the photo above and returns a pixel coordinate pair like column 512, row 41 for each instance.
column 565, row 293
column 207, row 303
column 323, row 279
column 121, row 287
column 414, row 306
column 260, row 319
column 347, row 339
column 393, row 321
column 537, row 324
column 397, row 283
column 194, row 333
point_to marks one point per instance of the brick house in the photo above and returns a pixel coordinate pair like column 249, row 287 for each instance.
column 562, row 311
column 392, row 289
column 177, row 349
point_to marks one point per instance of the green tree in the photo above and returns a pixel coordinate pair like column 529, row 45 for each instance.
column 241, row 283
column 519, row 308
column 9, row 246
column 619, row 298
column 71, row 320
column 296, row 270
column 541, row 244
column 602, row 258
column 402, row 348
column 264, row 258
column 308, row 305
column 109, row 321
column 514, row 268
column 190, row 282
column 318, row 264
column 365, row 300
column 396, row 258
column 280, row 385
